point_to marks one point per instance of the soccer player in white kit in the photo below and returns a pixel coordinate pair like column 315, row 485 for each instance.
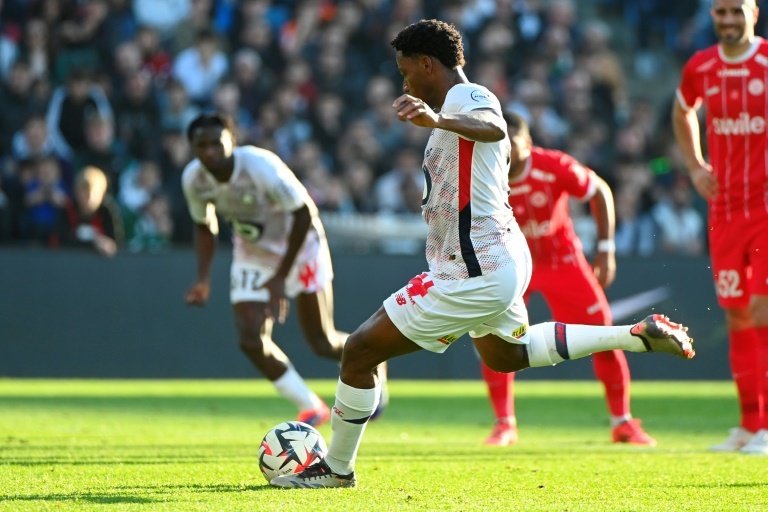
column 479, row 263
column 280, row 251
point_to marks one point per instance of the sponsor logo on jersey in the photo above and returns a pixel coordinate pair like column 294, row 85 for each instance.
column 540, row 175
column 479, row 96
column 519, row 189
column 520, row 332
column 538, row 199
column 447, row 340
column 756, row 87
column 742, row 125
column 533, row 229
column 731, row 72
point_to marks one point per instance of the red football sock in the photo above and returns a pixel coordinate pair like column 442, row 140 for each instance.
column 745, row 367
column 500, row 391
column 762, row 339
column 612, row 370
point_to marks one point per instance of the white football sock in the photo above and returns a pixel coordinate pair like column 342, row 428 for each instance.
column 290, row 385
column 349, row 417
column 554, row 342
column 618, row 420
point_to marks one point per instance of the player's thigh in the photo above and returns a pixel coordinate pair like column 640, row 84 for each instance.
column 573, row 294
column 251, row 321
column 314, row 311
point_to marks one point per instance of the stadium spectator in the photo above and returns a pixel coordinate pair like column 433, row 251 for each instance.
column 728, row 80
column 479, row 262
column 153, row 227
column 45, row 200
column 680, row 225
column 80, row 38
column 200, row 67
column 541, row 183
column 33, row 141
column 103, row 150
column 69, row 107
column 280, row 252
column 17, row 103
column 400, row 189
column 162, row 15
column 92, row 219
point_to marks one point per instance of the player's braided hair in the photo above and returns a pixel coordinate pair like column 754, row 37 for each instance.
column 434, row 38
column 213, row 119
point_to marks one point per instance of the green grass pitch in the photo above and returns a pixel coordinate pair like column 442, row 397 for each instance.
column 191, row 446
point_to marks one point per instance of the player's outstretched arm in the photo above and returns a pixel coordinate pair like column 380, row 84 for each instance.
column 602, row 210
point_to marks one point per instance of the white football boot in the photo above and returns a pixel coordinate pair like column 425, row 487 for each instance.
column 736, row 440
column 758, row 444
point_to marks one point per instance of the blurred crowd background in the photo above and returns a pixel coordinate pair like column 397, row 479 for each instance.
column 96, row 96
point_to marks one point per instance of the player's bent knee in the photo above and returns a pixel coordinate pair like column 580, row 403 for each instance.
column 359, row 355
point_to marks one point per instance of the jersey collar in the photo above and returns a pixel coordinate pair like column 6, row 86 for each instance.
column 744, row 56
column 526, row 171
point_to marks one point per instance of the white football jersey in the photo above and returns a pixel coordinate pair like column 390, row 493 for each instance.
column 465, row 195
column 258, row 200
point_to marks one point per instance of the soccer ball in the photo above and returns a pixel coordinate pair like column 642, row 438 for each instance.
column 289, row 448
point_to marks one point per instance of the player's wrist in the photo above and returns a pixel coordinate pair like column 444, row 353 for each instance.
column 606, row 245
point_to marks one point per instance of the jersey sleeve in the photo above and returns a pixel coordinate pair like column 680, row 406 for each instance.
column 689, row 93
column 576, row 179
column 468, row 97
column 200, row 210
column 280, row 183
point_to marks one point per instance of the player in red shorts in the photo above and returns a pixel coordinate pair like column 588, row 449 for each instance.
column 730, row 81
column 541, row 182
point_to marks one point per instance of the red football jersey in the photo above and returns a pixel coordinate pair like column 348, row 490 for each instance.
column 733, row 92
column 539, row 201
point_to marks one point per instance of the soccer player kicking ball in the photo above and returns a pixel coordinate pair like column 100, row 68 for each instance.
column 730, row 79
column 280, row 251
column 541, row 182
column 479, row 263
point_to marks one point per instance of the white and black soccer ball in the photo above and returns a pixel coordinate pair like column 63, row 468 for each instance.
column 289, row 448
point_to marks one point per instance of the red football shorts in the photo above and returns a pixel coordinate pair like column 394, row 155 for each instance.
column 572, row 292
column 739, row 253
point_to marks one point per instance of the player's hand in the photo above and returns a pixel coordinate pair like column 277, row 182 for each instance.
column 604, row 267
column 277, row 307
column 198, row 293
column 704, row 181
column 410, row 108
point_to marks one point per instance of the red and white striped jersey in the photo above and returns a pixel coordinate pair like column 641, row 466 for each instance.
column 539, row 200
column 465, row 195
column 734, row 94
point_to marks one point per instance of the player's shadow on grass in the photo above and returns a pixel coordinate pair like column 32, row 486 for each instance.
column 127, row 493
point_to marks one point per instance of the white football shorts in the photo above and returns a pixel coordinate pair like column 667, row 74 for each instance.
column 311, row 272
column 433, row 314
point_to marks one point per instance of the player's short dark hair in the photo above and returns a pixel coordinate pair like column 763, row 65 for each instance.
column 214, row 119
column 434, row 38
column 516, row 124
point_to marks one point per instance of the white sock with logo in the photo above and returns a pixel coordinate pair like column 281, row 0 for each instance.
column 553, row 342
column 290, row 385
column 349, row 417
